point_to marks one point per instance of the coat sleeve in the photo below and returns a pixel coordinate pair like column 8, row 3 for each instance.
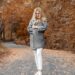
column 43, row 26
column 29, row 28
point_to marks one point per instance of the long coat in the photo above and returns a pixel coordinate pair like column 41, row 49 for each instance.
column 37, row 35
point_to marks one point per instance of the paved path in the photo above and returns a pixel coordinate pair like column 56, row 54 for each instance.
column 21, row 62
column 12, row 45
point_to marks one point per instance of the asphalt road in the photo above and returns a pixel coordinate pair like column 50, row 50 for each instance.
column 52, row 65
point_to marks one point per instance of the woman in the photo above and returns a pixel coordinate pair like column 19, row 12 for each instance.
column 36, row 28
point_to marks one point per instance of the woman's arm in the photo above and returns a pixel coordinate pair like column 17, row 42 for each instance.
column 29, row 28
column 43, row 26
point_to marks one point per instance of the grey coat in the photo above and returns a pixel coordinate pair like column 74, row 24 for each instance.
column 37, row 35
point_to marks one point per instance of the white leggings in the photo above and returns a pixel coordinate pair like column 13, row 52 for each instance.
column 38, row 58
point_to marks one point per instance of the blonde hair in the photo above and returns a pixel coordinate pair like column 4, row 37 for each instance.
column 43, row 18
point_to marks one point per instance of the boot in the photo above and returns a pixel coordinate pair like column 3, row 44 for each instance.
column 38, row 73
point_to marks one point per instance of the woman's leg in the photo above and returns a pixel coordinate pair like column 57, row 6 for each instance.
column 35, row 56
column 39, row 59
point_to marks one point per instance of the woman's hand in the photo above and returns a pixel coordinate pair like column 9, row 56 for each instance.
column 34, row 26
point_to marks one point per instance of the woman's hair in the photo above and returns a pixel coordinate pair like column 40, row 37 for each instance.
column 43, row 18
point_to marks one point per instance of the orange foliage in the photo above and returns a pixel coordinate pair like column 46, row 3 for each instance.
column 61, row 20
column 15, row 11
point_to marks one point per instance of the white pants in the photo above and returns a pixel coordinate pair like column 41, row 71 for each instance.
column 38, row 58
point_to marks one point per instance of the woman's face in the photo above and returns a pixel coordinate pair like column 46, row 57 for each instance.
column 38, row 14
